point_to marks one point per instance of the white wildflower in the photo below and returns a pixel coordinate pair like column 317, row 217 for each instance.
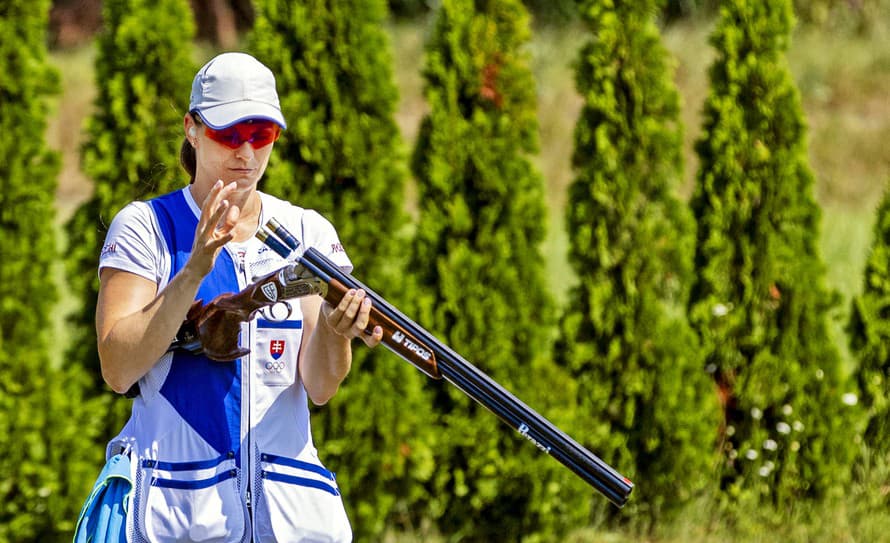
column 783, row 428
column 787, row 409
column 720, row 310
column 751, row 454
column 756, row 413
column 850, row 399
column 770, row 445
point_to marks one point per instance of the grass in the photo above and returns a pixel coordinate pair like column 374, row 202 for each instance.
column 844, row 83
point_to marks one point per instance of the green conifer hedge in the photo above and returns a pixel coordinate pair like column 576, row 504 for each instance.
column 760, row 302
column 868, row 330
column 479, row 270
column 648, row 406
column 43, row 421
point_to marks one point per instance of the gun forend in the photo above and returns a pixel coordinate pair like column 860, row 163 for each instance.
column 396, row 338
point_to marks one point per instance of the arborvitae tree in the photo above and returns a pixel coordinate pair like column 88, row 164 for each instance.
column 27, row 289
column 144, row 71
column 649, row 407
column 760, row 301
column 869, row 334
column 42, row 418
column 477, row 261
column 342, row 156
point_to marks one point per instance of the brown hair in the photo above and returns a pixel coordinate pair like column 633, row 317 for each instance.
column 187, row 158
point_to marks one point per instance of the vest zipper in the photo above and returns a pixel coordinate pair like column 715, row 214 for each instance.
column 247, row 399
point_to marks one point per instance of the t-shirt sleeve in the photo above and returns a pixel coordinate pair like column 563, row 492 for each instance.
column 131, row 243
column 318, row 232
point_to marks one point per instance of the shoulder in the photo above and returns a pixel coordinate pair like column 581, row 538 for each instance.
column 132, row 243
column 135, row 215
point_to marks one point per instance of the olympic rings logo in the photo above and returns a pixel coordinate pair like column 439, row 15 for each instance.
column 275, row 366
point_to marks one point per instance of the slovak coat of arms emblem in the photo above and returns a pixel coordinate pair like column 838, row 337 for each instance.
column 276, row 348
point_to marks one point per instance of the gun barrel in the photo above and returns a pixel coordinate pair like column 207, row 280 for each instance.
column 491, row 395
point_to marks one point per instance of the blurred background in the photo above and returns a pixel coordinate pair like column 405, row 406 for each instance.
column 839, row 58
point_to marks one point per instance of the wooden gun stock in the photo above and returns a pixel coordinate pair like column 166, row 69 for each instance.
column 213, row 329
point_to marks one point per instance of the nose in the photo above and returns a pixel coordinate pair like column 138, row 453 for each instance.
column 245, row 151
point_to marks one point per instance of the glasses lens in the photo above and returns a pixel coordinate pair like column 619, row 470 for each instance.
column 256, row 133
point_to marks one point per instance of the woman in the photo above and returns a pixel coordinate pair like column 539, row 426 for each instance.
column 222, row 451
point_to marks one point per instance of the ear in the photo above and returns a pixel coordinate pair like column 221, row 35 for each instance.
column 188, row 123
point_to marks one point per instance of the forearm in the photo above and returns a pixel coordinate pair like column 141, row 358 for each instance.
column 131, row 346
column 325, row 363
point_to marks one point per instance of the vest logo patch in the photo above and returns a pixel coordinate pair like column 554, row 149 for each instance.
column 276, row 348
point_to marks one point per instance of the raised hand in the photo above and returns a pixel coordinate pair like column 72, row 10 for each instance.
column 215, row 228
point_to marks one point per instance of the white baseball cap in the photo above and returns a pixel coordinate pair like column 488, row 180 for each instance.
column 234, row 87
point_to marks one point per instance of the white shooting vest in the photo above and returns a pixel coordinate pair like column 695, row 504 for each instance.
column 222, row 451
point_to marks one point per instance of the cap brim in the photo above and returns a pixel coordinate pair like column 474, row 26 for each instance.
column 226, row 115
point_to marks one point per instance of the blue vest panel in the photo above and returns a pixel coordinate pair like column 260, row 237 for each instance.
column 205, row 393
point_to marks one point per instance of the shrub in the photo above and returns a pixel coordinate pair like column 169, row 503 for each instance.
column 760, row 301
column 479, row 271
column 648, row 406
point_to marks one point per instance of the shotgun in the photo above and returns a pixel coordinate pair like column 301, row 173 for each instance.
column 213, row 329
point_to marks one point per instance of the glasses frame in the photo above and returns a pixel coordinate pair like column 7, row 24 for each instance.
column 233, row 137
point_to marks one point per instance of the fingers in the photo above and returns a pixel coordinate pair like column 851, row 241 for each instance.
column 351, row 318
column 218, row 216
column 215, row 226
column 211, row 203
column 374, row 338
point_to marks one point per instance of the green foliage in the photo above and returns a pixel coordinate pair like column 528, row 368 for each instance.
column 38, row 400
column 143, row 77
column 477, row 262
column 869, row 334
column 625, row 337
column 859, row 16
column 760, row 302
column 548, row 11
column 27, row 294
column 341, row 155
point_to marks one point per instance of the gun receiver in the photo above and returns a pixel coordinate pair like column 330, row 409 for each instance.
column 213, row 329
